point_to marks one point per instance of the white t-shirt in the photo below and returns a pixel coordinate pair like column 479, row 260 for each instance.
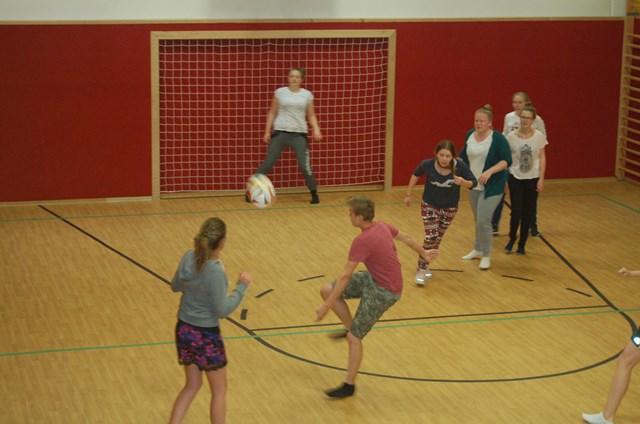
column 477, row 152
column 512, row 123
column 525, row 153
column 292, row 110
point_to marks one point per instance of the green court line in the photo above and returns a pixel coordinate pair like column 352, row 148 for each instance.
column 602, row 196
column 620, row 204
column 311, row 332
column 80, row 349
column 270, row 209
column 135, row 215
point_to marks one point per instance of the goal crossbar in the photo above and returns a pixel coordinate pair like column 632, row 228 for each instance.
column 211, row 91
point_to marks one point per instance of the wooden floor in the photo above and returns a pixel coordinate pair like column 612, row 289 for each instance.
column 87, row 316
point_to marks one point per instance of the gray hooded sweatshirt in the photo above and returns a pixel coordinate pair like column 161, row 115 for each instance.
column 205, row 296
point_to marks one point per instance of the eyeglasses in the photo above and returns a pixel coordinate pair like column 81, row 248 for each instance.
column 526, row 117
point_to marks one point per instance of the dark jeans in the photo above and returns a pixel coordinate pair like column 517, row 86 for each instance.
column 523, row 195
column 498, row 214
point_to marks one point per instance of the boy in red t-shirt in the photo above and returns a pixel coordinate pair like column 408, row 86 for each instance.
column 378, row 288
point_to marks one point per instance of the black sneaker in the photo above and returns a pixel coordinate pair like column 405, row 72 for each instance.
column 343, row 391
column 336, row 335
column 314, row 199
column 246, row 197
column 509, row 247
column 535, row 232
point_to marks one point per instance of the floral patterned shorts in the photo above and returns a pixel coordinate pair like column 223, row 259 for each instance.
column 201, row 346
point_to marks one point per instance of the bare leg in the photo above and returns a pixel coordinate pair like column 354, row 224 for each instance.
column 218, row 383
column 187, row 394
column 340, row 308
column 629, row 357
column 355, row 358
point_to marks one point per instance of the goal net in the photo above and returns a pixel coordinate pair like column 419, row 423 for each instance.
column 212, row 92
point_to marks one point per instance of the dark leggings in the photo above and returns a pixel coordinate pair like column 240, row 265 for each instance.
column 280, row 140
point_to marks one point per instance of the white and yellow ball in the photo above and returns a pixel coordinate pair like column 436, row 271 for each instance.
column 261, row 191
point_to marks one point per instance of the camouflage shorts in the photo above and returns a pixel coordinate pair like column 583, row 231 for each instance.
column 374, row 301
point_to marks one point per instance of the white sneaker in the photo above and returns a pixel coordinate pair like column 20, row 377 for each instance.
column 474, row 254
column 485, row 262
column 595, row 418
column 421, row 275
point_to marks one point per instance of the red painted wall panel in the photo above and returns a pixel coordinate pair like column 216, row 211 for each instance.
column 571, row 70
column 76, row 106
column 75, row 100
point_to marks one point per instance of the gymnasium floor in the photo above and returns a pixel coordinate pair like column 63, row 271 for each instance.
column 87, row 315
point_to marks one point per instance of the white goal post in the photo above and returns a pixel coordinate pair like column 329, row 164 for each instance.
column 211, row 92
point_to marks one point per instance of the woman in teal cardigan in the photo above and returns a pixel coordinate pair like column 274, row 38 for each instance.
column 488, row 155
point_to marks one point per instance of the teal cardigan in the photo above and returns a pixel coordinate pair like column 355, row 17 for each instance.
column 498, row 151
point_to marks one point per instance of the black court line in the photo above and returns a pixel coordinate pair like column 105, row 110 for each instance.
column 276, row 349
column 445, row 270
column 517, row 278
column 264, row 293
column 243, row 314
column 114, row 250
column 532, row 377
column 588, row 283
column 310, row 278
column 436, row 317
column 579, row 292
column 257, row 338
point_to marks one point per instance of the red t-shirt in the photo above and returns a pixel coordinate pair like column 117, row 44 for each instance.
column 376, row 249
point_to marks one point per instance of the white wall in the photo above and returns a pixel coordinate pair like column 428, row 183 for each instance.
column 109, row 10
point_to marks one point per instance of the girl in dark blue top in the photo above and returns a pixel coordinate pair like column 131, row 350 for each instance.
column 445, row 175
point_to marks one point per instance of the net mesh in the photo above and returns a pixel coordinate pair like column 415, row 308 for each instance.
column 214, row 95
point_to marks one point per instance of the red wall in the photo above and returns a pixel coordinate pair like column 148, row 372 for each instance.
column 75, row 102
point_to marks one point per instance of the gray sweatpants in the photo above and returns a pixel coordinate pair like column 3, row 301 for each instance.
column 483, row 209
column 300, row 145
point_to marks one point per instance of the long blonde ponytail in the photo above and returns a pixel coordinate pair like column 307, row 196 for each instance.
column 207, row 240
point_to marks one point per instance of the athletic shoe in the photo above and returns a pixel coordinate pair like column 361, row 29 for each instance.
column 485, row 262
column 474, row 254
column 534, row 232
column 314, row 199
column 509, row 247
column 595, row 419
column 336, row 335
column 495, row 230
column 343, row 391
column 520, row 251
column 246, row 197
column 422, row 274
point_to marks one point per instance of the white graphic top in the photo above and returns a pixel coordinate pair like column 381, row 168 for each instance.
column 292, row 110
column 525, row 153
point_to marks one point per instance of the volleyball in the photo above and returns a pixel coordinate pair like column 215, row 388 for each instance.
column 261, row 191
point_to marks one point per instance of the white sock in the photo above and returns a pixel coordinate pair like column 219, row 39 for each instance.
column 596, row 418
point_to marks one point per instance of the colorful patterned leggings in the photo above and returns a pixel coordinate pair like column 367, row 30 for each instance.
column 436, row 221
